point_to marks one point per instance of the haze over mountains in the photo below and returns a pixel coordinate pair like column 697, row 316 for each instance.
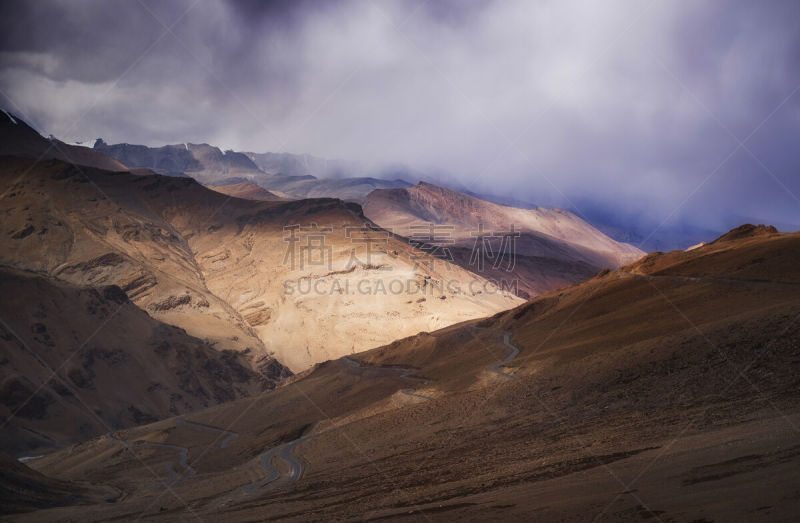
column 286, row 173
column 558, row 248
column 307, row 176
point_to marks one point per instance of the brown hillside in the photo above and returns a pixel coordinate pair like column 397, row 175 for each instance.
column 637, row 394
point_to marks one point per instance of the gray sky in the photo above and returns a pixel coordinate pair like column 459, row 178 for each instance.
column 629, row 105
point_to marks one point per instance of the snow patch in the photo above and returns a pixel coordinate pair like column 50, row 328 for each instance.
column 9, row 117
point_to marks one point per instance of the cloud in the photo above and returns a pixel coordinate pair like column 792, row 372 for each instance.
column 630, row 105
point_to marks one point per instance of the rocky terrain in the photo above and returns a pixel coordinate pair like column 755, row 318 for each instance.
column 80, row 361
column 204, row 162
column 249, row 191
column 228, row 270
column 665, row 389
column 552, row 247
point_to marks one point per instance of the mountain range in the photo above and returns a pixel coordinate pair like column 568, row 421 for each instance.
column 628, row 395
column 211, row 166
column 556, row 246
column 551, row 247
column 187, row 333
column 202, row 279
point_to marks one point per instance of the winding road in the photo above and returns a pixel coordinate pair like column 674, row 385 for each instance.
column 188, row 471
column 229, row 435
column 285, row 451
column 292, row 466
column 505, row 361
column 174, row 476
column 495, row 368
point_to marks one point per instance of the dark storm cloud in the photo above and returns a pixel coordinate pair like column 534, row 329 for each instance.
column 628, row 105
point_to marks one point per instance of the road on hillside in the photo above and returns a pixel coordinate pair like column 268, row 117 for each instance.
column 176, row 477
column 285, row 453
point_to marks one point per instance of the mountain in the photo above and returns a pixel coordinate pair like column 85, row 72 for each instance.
column 17, row 138
column 79, row 360
column 554, row 247
column 220, row 267
column 249, row 191
column 203, row 162
column 351, row 189
column 667, row 388
column 211, row 166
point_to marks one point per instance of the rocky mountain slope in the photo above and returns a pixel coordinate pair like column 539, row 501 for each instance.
column 80, row 361
column 219, row 267
column 665, row 389
column 20, row 139
column 249, row 191
column 285, row 173
column 553, row 248
column 203, row 162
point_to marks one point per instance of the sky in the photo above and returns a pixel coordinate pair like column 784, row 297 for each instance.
column 667, row 112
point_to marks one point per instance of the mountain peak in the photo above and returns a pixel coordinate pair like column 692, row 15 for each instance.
column 748, row 230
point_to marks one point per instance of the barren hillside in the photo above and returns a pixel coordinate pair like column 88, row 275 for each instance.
column 665, row 392
column 243, row 275
column 551, row 247
column 80, row 361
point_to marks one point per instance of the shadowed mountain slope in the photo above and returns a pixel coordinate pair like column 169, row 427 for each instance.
column 23, row 489
column 20, row 139
column 204, row 162
column 78, row 361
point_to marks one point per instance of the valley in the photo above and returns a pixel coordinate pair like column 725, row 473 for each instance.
column 403, row 260
column 568, row 406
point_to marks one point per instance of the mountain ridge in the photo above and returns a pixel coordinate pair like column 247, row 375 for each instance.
column 18, row 138
column 223, row 276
